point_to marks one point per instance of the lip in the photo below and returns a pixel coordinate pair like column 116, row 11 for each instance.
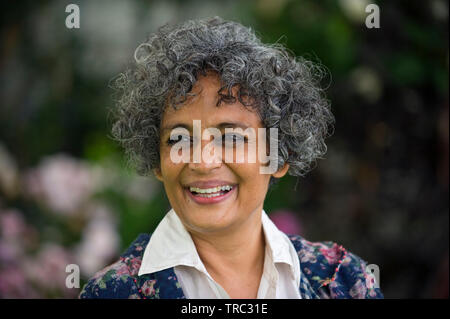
column 211, row 200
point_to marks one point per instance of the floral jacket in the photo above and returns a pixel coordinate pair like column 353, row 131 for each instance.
column 327, row 271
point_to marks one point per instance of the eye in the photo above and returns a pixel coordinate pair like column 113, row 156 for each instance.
column 234, row 139
column 179, row 139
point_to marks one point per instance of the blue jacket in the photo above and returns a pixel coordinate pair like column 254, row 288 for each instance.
column 327, row 271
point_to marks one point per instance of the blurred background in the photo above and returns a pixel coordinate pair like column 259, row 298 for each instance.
column 68, row 196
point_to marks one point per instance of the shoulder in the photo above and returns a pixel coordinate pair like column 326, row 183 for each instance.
column 334, row 272
column 118, row 279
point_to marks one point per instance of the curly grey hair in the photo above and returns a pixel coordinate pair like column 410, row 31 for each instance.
column 285, row 90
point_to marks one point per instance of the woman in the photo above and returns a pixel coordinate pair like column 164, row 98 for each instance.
column 191, row 111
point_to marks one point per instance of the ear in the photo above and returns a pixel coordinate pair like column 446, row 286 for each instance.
column 282, row 171
column 157, row 173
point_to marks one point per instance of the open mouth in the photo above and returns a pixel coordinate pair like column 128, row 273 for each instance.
column 211, row 192
column 211, row 195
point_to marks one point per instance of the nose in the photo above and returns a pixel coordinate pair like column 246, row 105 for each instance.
column 208, row 157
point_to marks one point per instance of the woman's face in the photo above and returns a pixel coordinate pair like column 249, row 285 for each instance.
column 191, row 187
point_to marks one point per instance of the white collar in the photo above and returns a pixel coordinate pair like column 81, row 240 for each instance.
column 171, row 245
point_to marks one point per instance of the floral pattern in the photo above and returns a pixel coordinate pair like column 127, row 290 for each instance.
column 328, row 271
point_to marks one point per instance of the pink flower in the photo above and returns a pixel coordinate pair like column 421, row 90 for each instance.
column 287, row 222
column 14, row 284
column 148, row 287
column 100, row 241
column 370, row 281
column 331, row 254
column 358, row 291
column 16, row 236
column 12, row 224
column 62, row 183
column 135, row 264
column 47, row 270
column 122, row 270
column 308, row 257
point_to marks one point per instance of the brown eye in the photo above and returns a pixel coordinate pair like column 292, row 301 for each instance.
column 234, row 139
column 179, row 139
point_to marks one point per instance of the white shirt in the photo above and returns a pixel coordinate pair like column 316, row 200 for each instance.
column 171, row 245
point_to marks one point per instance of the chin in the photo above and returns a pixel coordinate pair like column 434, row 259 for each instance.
column 209, row 220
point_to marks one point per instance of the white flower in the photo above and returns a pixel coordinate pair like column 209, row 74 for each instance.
column 62, row 183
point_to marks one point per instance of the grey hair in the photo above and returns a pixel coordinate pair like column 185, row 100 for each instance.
column 285, row 89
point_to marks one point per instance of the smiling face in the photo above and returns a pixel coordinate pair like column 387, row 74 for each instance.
column 186, row 184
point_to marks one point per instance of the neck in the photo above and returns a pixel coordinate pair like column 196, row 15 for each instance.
column 236, row 252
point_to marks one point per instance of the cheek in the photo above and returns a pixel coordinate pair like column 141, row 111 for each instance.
column 169, row 169
column 252, row 182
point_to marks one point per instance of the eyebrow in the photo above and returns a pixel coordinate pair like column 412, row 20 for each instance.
column 219, row 126
column 173, row 126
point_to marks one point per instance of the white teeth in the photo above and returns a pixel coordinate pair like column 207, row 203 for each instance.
column 210, row 190
column 209, row 195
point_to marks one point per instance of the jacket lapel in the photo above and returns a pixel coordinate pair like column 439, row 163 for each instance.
column 160, row 285
column 306, row 290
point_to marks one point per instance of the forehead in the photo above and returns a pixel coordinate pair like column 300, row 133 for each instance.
column 203, row 106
